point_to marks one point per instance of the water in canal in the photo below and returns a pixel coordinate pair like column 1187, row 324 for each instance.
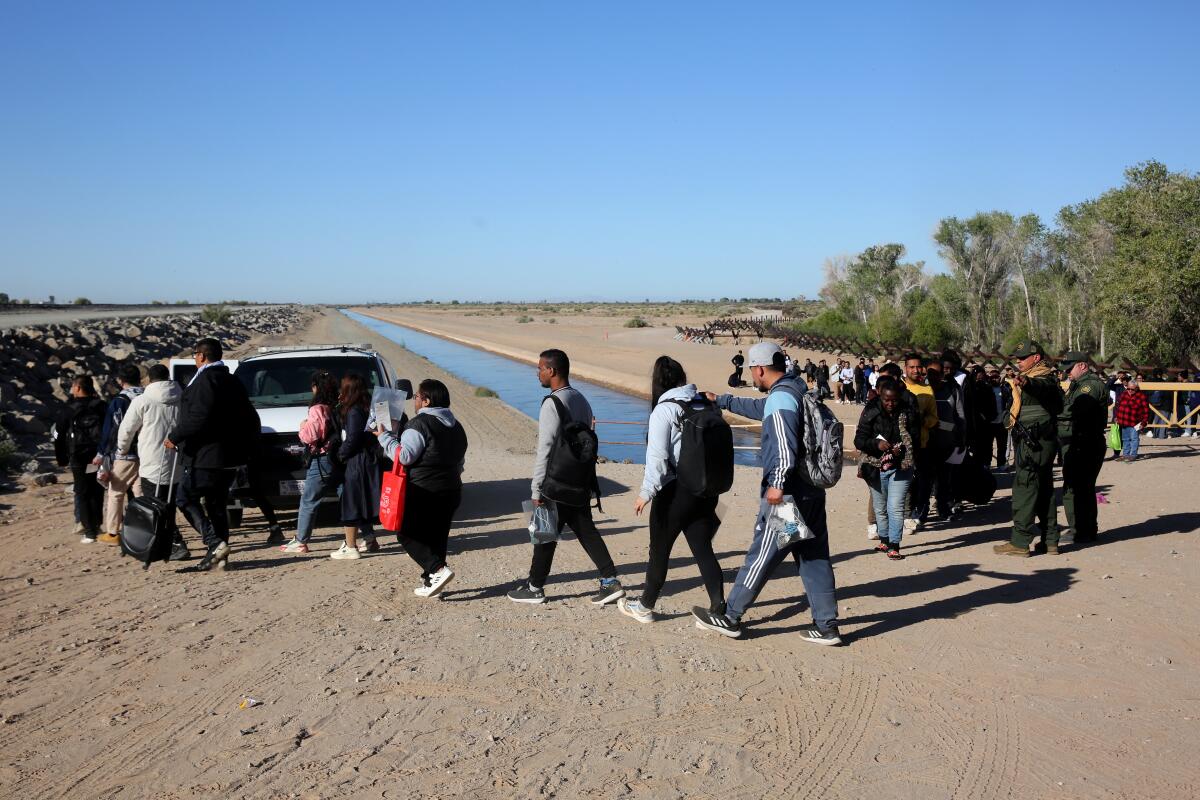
column 517, row 385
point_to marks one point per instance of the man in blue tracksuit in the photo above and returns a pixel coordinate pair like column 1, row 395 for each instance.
column 781, row 417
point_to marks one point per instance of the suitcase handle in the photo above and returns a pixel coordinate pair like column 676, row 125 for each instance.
column 171, row 484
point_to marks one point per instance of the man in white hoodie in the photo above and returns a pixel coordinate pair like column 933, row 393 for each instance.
column 150, row 417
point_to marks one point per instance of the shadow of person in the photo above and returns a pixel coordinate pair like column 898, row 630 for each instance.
column 1185, row 522
column 484, row 500
column 1016, row 588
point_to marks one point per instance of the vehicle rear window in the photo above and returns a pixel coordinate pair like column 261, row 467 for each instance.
column 288, row 381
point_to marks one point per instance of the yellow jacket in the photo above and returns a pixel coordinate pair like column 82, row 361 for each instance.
column 927, row 403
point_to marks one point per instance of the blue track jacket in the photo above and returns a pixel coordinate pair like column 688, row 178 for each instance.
column 780, row 415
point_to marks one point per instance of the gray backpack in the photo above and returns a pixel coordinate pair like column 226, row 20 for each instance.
column 820, row 461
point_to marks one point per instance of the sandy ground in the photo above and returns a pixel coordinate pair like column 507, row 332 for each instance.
column 965, row 675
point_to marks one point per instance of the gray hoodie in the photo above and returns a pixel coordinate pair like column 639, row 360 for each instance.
column 150, row 417
column 663, row 440
column 411, row 443
column 578, row 409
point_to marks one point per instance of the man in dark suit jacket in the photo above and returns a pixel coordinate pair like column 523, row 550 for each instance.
column 216, row 431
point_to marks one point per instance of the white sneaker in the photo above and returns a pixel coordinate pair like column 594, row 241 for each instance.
column 437, row 582
column 87, row 539
column 910, row 525
column 872, row 531
column 294, row 546
column 345, row 552
column 635, row 609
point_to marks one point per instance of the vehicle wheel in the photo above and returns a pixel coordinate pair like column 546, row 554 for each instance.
column 235, row 517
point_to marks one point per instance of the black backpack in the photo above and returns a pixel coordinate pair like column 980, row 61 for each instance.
column 571, row 467
column 705, row 466
column 86, row 427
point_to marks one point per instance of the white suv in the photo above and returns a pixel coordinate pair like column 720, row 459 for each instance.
column 279, row 383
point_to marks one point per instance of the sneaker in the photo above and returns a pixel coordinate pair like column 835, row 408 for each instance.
column 1010, row 549
column 217, row 558
column 609, row 591
column 108, row 538
column 275, row 535
column 294, row 546
column 78, row 529
column 437, row 582
column 367, row 545
column 345, row 552
column 180, row 552
column 814, row 635
column 910, row 525
column 635, row 609
column 87, row 538
column 527, row 594
column 872, row 531
column 718, row 623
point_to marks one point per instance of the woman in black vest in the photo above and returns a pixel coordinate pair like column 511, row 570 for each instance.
column 433, row 447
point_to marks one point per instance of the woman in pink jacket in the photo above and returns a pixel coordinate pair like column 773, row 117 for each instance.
column 320, row 433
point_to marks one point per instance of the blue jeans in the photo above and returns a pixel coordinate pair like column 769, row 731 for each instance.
column 888, row 501
column 316, row 482
column 1129, row 441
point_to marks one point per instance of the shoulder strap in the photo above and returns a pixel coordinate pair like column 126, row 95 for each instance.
column 564, row 416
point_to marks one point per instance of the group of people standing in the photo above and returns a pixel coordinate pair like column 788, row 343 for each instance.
column 930, row 438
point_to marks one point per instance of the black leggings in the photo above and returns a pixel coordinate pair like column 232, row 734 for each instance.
column 425, row 530
column 671, row 512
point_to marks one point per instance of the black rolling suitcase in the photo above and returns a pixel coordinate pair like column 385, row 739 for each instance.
column 150, row 526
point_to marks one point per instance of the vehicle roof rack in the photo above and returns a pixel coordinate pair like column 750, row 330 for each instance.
column 300, row 347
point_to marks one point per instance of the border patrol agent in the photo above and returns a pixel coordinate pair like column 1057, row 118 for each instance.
column 1081, row 430
column 1037, row 402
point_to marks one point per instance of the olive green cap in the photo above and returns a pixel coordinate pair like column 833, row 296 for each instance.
column 1027, row 348
column 1073, row 357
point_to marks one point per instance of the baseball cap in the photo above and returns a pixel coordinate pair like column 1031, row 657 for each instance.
column 763, row 354
column 1073, row 357
column 1027, row 348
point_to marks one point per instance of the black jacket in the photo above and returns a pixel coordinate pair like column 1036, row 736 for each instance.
column 874, row 423
column 77, row 431
column 218, row 428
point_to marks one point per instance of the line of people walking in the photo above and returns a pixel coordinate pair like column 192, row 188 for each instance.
column 926, row 435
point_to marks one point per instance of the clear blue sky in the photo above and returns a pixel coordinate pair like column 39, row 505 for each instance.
column 495, row 150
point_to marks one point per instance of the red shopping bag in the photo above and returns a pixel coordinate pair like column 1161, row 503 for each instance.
column 391, row 497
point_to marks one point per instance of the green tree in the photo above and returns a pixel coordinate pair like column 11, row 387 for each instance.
column 979, row 251
column 1147, row 279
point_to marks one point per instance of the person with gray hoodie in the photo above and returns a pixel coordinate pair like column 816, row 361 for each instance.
column 673, row 509
column 433, row 447
column 563, row 407
column 145, row 425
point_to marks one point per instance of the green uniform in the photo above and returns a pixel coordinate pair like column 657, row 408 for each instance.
column 1033, row 482
column 1081, row 436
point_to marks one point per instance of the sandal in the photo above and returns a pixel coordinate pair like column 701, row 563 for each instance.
column 881, row 548
column 894, row 554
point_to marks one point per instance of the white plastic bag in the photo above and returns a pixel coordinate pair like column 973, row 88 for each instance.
column 785, row 523
column 541, row 521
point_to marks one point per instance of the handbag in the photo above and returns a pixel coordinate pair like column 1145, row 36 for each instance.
column 1114, row 436
column 391, row 497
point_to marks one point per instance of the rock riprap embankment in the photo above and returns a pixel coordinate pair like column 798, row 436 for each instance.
column 38, row 362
